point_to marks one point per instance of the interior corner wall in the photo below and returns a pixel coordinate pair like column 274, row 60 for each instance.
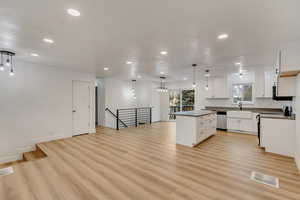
column 36, row 106
column 101, row 101
column 297, row 157
column 118, row 95
column 164, row 103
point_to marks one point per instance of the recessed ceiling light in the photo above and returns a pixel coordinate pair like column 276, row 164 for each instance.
column 162, row 72
column 48, row 40
column 223, row 36
column 184, row 78
column 106, row 68
column 73, row 12
column 163, row 52
column 128, row 62
column 34, row 54
column 139, row 76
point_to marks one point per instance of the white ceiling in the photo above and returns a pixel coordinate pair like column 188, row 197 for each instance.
column 110, row 32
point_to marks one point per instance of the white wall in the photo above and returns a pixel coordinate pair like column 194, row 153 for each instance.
column 101, row 101
column 118, row 95
column 164, row 105
column 36, row 106
column 297, row 157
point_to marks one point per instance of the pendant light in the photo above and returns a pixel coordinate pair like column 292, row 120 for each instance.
column 207, row 75
column 133, row 88
column 11, row 73
column 8, row 61
column 162, row 87
column 1, row 63
column 194, row 75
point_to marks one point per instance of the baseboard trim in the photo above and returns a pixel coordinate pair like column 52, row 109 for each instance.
column 92, row 131
column 11, row 158
column 242, row 132
column 297, row 159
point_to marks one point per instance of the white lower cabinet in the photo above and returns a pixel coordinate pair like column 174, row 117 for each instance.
column 242, row 125
column 190, row 131
column 206, row 127
column 278, row 136
column 241, row 121
column 233, row 124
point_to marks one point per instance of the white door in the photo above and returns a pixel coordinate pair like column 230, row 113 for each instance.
column 81, row 107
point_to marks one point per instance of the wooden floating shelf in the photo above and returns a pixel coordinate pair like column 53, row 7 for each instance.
column 289, row 74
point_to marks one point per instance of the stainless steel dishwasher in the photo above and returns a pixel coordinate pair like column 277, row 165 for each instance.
column 222, row 120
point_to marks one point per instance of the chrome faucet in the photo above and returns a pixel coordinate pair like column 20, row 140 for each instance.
column 240, row 105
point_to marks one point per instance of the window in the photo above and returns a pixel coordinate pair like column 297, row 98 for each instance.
column 188, row 100
column 180, row 100
column 242, row 93
column 174, row 100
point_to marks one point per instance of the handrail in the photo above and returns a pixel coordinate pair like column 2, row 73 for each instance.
column 134, row 108
column 128, row 117
column 107, row 109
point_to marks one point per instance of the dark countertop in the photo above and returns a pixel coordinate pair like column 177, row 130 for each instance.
column 255, row 110
column 277, row 116
column 197, row 113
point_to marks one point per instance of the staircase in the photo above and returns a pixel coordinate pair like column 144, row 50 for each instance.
column 28, row 156
column 34, row 155
column 129, row 117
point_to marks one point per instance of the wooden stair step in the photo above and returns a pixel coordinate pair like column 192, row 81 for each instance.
column 28, row 156
column 33, row 155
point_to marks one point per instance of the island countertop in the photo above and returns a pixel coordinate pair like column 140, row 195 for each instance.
column 196, row 113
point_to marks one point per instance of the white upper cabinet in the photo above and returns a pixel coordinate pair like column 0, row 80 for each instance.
column 259, row 85
column 217, row 87
column 290, row 59
column 264, row 82
column 287, row 86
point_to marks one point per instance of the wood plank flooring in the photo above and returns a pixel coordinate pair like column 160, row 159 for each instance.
column 144, row 163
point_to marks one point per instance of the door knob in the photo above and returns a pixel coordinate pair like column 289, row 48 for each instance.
column 74, row 111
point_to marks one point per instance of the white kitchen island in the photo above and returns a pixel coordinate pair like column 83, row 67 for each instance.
column 193, row 127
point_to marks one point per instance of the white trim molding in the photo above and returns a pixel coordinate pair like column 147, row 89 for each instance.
column 297, row 159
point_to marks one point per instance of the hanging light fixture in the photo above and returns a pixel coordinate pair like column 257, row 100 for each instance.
column 194, row 75
column 1, row 63
column 133, row 88
column 162, row 87
column 8, row 61
column 207, row 75
column 241, row 73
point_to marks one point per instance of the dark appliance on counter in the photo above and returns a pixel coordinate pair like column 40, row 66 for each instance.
column 288, row 111
column 222, row 120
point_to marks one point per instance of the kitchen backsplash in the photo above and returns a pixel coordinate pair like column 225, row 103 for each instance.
column 258, row 103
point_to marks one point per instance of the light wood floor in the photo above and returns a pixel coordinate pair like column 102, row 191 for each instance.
column 144, row 163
